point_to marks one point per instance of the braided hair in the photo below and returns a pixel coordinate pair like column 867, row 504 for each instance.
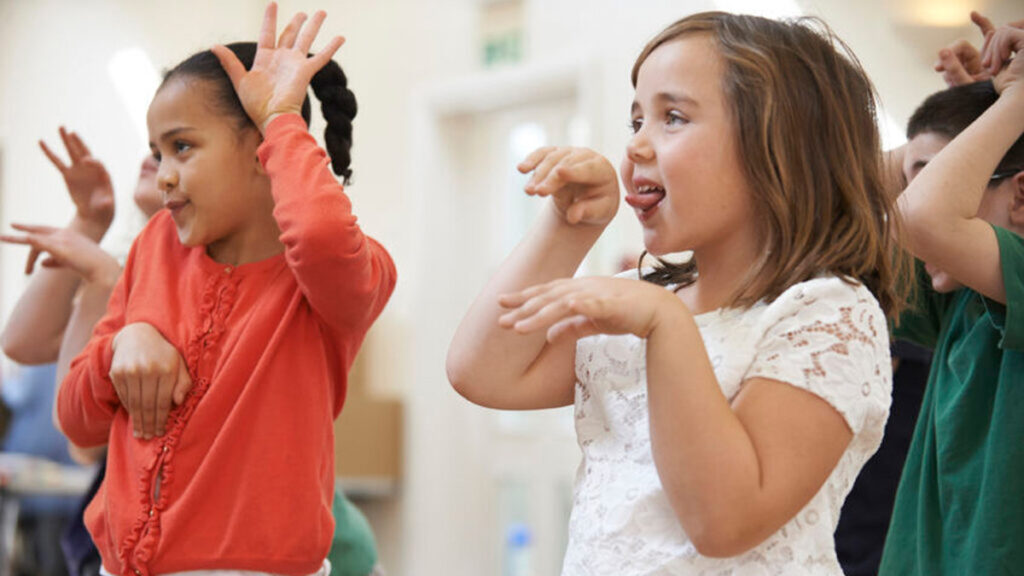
column 337, row 102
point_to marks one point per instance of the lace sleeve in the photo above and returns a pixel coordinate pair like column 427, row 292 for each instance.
column 830, row 338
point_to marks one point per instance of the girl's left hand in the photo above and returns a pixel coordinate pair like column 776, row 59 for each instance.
column 1002, row 55
column 583, row 307
column 281, row 71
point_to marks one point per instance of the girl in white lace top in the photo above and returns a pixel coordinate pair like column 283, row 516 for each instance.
column 723, row 406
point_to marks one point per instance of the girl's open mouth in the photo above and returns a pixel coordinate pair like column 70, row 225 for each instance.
column 646, row 200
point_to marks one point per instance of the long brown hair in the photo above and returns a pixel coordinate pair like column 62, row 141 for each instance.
column 804, row 116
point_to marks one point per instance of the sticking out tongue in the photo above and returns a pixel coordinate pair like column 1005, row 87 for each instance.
column 645, row 200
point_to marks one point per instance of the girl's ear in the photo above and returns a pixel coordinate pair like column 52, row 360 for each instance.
column 259, row 166
column 252, row 139
column 1017, row 203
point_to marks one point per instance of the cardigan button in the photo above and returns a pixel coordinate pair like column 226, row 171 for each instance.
column 138, row 572
column 227, row 270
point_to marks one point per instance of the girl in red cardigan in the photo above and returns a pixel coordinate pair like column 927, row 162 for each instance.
column 221, row 363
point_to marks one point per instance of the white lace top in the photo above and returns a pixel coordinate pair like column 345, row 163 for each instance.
column 824, row 336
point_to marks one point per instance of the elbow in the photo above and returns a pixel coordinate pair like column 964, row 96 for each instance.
column 28, row 353
column 15, row 349
column 86, row 456
column 926, row 230
column 457, row 373
column 460, row 375
column 721, row 540
column 723, row 531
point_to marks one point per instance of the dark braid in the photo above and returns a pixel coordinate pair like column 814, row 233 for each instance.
column 338, row 105
column 329, row 84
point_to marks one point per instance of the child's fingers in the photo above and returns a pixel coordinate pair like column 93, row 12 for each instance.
column 51, row 262
column 80, row 148
column 541, row 305
column 8, row 239
column 516, row 299
column 30, row 262
column 163, row 402
column 544, row 317
column 1002, row 49
column 268, row 30
column 532, row 303
column 67, row 143
column 231, row 64
column 291, row 31
column 578, row 212
column 33, row 228
column 54, row 159
column 533, row 159
column 149, row 389
column 574, row 326
column 183, row 383
column 119, row 387
column 589, row 171
column 134, row 388
column 983, row 23
column 542, row 180
column 320, row 59
column 309, row 32
column 986, row 49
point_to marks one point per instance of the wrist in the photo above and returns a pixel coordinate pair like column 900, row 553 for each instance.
column 586, row 231
column 273, row 116
column 669, row 314
column 104, row 275
column 89, row 228
column 1014, row 92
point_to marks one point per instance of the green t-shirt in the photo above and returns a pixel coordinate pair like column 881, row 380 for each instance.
column 960, row 505
column 353, row 550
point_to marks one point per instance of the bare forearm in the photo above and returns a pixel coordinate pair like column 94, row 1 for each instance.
column 35, row 327
column 892, row 162
column 704, row 456
column 484, row 355
column 950, row 188
column 91, row 305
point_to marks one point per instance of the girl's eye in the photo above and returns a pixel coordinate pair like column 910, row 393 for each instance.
column 156, row 156
column 180, row 146
column 635, row 125
column 675, row 118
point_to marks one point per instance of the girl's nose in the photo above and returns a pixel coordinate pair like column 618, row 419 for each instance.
column 166, row 177
column 638, row 149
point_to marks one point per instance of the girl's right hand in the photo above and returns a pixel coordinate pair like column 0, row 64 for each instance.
column 88, row 183
column 282, row 68
column 66, row 248
column 148, row 374
column 582, row 183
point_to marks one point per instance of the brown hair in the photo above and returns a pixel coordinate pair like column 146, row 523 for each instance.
column 805, row 124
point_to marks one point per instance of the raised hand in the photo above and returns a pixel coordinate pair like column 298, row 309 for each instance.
column 88, row 183
column 277, row 82
column 148, row 374
column 581, row 183
column 1002, row 57
column 582, row 307
column 66, row 249
column 960, row 62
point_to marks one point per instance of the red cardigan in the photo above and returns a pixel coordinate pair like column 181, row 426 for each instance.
column 247, row 463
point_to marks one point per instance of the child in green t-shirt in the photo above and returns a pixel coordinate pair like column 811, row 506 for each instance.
column 959, row 509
